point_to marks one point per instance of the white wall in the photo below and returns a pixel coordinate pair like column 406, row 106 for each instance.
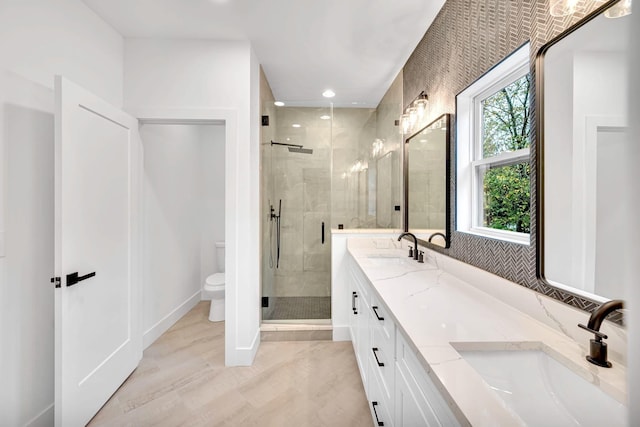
column 183, row 194
column 38, row 38
column 213, row 209
column 41, row 38
column 26, row 299
column 633, row 251
column 192, row 78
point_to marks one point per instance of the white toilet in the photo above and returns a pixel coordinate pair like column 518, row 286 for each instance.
column 214, row 287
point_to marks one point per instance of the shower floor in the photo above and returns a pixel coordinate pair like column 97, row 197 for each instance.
column 289, row 308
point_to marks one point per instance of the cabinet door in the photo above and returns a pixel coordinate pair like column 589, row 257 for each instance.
column 408, row 411
column 417, row 397
column 359, row 323
column 353, row 314
column 363, row 334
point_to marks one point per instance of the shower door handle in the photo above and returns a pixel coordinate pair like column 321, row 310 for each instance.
column 323, row 232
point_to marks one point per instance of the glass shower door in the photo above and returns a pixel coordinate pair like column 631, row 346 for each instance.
column 297, row 260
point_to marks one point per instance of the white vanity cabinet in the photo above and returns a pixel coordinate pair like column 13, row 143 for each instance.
column 374, row 347
column 398, row 389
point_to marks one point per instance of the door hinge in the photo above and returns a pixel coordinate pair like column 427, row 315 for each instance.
column 56, row 280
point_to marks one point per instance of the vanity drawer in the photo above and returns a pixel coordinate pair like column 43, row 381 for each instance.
column 383, row 321
column 381, row 366
column 380, row 405
column 382, row 359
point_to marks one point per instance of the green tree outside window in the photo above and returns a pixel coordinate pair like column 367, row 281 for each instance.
column 505, row 127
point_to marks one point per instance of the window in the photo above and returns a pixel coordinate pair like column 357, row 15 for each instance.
column 493, row 124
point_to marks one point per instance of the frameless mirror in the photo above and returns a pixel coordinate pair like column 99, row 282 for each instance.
column 582, row 99
column 426, row 182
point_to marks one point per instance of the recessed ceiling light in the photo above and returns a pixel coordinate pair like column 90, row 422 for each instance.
column 279, row 104
column 325, row 117
column 295, row 125
column 354, row 103
column 328, row 93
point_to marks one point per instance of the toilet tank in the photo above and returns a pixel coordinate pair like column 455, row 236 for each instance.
column 220, row 256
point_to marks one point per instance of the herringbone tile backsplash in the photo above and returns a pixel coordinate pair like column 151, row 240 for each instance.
column 467, row 38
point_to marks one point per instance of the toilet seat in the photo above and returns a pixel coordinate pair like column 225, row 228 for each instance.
column 214, row 282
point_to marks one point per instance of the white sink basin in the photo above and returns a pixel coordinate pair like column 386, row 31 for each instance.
column 544, row 392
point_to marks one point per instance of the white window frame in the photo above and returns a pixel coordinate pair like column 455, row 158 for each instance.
column 469, row 194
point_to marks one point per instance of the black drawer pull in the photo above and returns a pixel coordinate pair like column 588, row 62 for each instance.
column 374, row 404
column 73, row 278
column 354, row 295
column 375, row 310
column 374, row 349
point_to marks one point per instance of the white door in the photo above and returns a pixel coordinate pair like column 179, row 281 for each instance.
column 98, row 338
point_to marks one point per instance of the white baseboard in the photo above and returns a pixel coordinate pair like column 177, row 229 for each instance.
column 43, row 419
column 341, row 333
column 244, row 356
column 154, row 332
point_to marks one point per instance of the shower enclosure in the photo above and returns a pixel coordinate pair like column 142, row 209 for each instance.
column 296, row 197
column 322, row 169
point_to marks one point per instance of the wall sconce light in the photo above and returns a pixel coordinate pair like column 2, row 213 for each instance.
column 405, row 126
column 560, row 8
column 421, row 104
column 377, row 148
column 618, row 10
column 414, row 113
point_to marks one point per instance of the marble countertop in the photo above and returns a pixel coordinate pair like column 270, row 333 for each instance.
column 440, row 315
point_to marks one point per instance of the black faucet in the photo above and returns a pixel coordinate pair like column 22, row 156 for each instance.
column 597, row 347
column 415, row 243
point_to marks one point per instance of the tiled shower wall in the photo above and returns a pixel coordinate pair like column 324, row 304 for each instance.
column 466, row 39
column 366, row 170
column 354, row 130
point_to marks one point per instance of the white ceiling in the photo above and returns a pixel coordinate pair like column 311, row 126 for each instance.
column 355, row 47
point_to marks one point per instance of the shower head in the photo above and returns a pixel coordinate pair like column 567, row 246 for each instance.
column 300, row 150
column 294, row 148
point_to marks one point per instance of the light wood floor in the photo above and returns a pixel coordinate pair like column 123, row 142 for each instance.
column 182, row 381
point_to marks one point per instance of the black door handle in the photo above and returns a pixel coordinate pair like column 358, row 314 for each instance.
column 73, row 278
column 354, row 295
column 323, row 232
